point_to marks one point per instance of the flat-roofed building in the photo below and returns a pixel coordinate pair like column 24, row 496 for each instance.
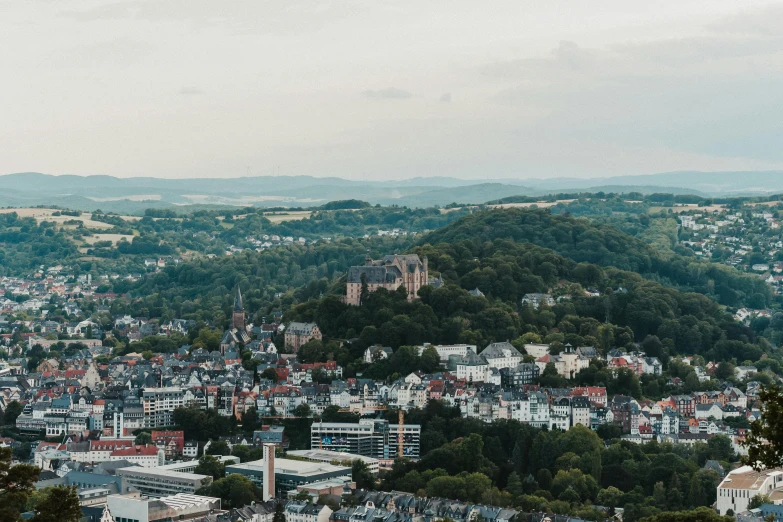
column 189, row 466
column 744, row 483
column 289, row 474
column 447, row 350
column 374, row 438
column 157, row 482
column 330, row 457
column 181, row 507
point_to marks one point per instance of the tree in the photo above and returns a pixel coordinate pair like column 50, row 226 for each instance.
column 312, row 351
column 696, row 496
column 16, row 486
column 201, row 424
column 61, row 504
column 430, row 360
column 724, row 370
column 209, row 465
column 514, row 485
column 12, row 411
column 765, row 440
column 303, row 410
column 269, row 374
column 544, row 478
column 362, row 475
column 303, row 496
column 143, row 438
column 720, row 448
column 235, row 491
column 758, row 501
column 250, row 421
column 702, row 514
column 279, row 515
column 610, row 497
column 475, row 485
column 218, row 447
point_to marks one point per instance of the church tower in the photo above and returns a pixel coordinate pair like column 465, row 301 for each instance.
column 238, row 316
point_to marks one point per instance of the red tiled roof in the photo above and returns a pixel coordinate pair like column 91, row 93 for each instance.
column 138, row 451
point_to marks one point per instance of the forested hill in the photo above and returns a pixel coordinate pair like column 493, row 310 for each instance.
column 583, row 241
column 306, row 283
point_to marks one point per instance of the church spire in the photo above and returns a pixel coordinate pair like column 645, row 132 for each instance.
column 238, row 314
column 238, row 301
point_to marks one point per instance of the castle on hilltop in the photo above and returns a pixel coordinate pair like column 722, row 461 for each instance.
column 391, row 272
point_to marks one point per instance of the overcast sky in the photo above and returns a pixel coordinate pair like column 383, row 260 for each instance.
column 390, row 89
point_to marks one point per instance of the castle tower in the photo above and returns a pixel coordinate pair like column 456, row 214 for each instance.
column 238, row 316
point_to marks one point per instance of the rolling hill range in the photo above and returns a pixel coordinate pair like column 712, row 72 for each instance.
column 134, row 195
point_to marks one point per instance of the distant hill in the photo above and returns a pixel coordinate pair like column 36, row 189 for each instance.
column 586, row 242
column 134, row 195
column 711, row 183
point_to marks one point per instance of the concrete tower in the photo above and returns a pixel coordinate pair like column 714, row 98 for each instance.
column 268, row 491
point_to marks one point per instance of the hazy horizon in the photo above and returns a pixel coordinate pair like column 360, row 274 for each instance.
column 394, row 90
column 408, row 178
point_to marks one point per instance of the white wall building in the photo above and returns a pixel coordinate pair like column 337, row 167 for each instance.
column 744, row 483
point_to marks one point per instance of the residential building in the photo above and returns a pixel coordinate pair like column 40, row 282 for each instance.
column 159, row 405
column 300, row 511
column 501, row 355
column 473, row 367
column 147, row 456
column 536, row 300
column 521, row 375
column 172, row 442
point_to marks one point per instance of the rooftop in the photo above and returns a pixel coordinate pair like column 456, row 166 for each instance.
column 746, row 477
column 293, row 467
column 328, row 456
column 158, row 472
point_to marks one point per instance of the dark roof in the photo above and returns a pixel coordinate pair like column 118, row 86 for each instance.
column 374, row 274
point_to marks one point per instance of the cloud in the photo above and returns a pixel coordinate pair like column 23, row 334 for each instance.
column 716, row 95
column 445, row 97
column 190, row 91
column 390, row 93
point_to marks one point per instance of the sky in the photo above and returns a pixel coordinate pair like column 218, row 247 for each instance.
column 382, row 90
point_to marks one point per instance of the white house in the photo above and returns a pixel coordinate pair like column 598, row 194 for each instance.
column 705, row 411
column 502, row 355
column 472, row 367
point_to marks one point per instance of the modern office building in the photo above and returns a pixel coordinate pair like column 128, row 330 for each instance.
column 288, row 474
column 158, row 482
column 374, row 438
